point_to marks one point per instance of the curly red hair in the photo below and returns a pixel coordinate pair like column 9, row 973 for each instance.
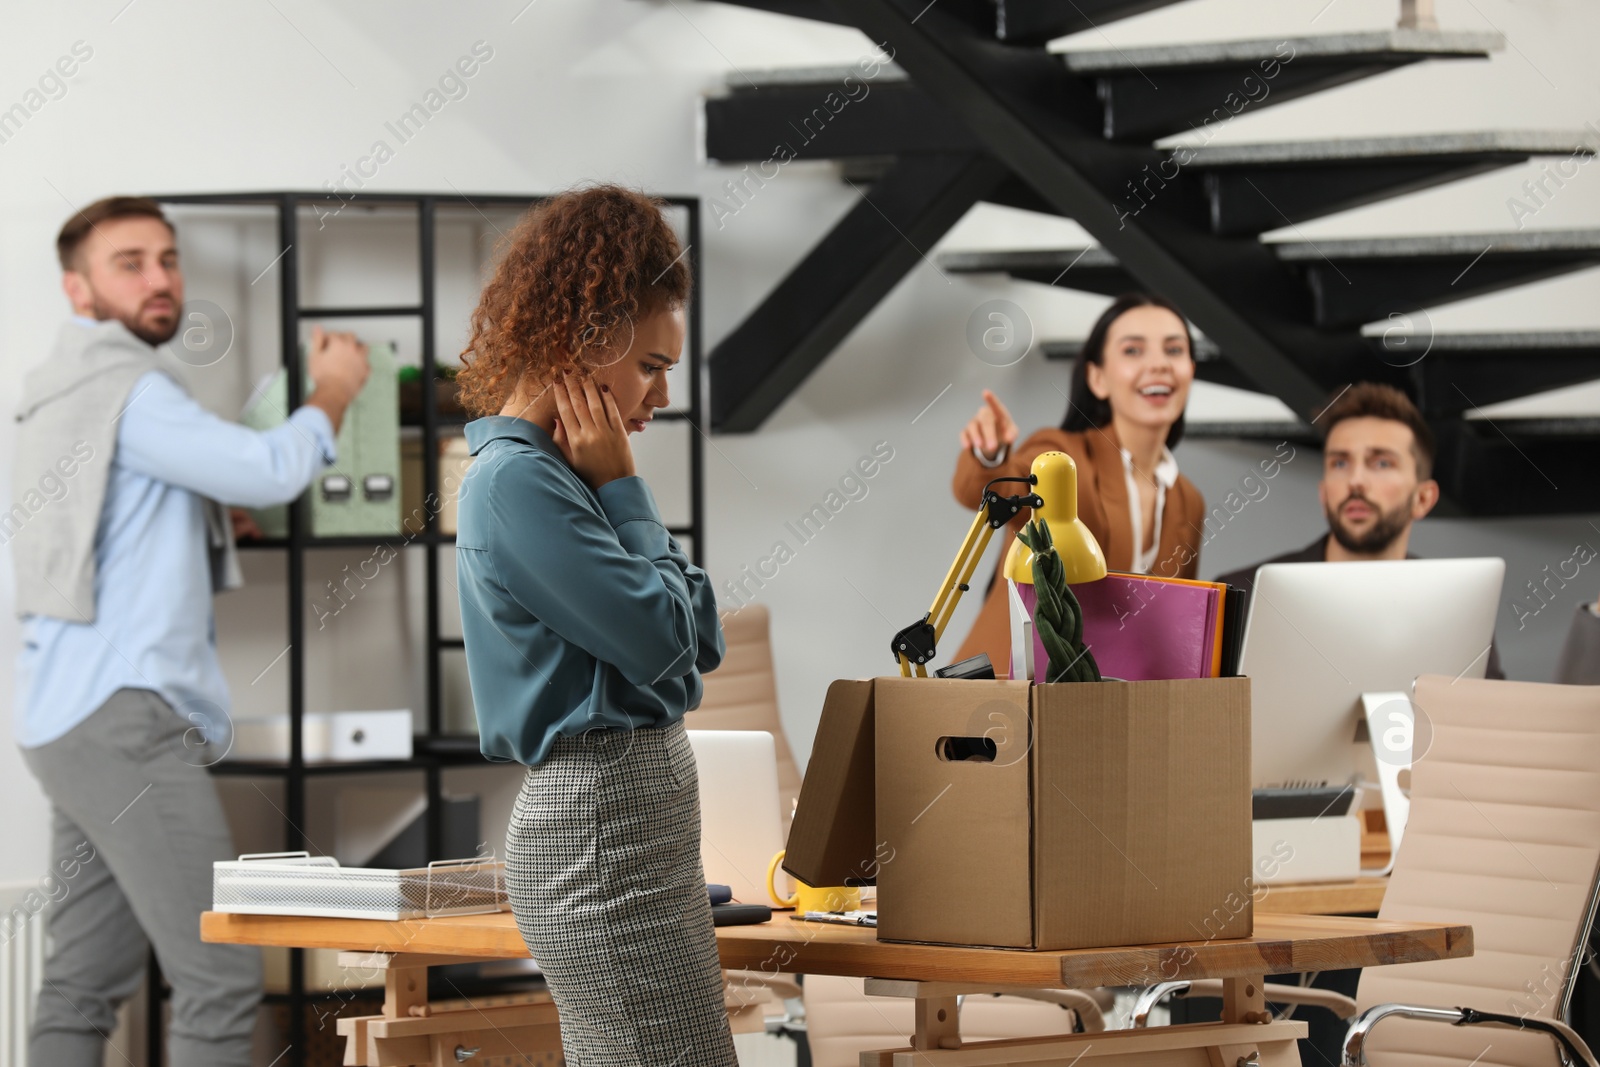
column 580, row 269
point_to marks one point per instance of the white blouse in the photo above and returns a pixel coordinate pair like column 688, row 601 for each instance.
column 1166, row 475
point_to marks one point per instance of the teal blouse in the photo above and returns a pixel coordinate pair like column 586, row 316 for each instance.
column 579, row 611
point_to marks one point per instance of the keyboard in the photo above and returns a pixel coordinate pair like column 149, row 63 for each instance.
column 1301, row 801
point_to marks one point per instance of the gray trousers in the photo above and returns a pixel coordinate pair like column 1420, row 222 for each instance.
column 139, row 826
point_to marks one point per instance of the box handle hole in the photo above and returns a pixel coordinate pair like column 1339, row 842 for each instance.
column 965, row 749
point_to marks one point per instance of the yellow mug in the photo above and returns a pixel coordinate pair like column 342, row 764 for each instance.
column 809, row 897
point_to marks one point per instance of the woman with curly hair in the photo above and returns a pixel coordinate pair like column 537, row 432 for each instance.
column 587, row 628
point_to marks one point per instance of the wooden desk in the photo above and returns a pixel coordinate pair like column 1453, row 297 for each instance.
column 1361, row 897
column 934, row 975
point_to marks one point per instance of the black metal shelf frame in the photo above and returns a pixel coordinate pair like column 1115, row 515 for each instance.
column 430, row 760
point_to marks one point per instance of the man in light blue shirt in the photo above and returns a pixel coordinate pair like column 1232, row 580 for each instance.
column 118, row 674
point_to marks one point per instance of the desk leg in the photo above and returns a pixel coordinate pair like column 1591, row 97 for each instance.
column 405, row 992
column 938, row 1023
column 1244, row 1001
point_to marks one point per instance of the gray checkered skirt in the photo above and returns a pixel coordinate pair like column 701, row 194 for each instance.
column 603, row 868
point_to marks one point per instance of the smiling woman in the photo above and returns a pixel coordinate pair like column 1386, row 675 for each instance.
column 1124, row 416
column 586, row 628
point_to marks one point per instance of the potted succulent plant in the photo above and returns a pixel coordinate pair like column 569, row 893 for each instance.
column 1057, row 617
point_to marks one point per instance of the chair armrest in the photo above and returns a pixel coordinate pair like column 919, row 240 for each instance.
column 1572, row 1047
column 1154, row 995
column 1306, row 996
column 750, row 986
column 743, row 989
column 1087, row 1007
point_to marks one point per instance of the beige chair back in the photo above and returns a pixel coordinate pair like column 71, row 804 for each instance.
column 1504, row 834
column 742, row 694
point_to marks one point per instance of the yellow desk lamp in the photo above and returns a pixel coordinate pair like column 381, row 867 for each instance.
column 1056, row 476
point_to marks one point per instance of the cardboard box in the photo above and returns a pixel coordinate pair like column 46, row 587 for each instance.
column 833, row 837
column 1085, row 815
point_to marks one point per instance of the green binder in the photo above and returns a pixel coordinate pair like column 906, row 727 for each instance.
column 360, row 494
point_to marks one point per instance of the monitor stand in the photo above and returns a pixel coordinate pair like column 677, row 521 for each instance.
column 1391, row 727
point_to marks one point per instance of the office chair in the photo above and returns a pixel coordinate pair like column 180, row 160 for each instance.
column 1504, row 834
column 742, row 694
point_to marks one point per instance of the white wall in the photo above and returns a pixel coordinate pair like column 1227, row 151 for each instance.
column 188, row 96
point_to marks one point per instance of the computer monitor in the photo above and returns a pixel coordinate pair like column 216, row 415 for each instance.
column 1319, row 635
column 741, row 820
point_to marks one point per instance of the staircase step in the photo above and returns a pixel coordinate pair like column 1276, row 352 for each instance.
column 1489, row 345
column 817, row 10
column 1352, row 281
column 822, row 78
column 1573, row 343
column 1091, row 269
column 1515, row 467
column 1039, row 21
column 1020, row 22
column 1433, row 245
column 1152, row 92
column 1205, row 349
column 1452, row 373
column 1458, row 373
column 841, row 114
column 1519, row 467
column 1547, row 429
column 1404, row 146
column 1376, row 46
column 1257, row 187
column 1360, row 280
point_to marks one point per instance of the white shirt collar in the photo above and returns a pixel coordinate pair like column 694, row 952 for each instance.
column 1166, row 467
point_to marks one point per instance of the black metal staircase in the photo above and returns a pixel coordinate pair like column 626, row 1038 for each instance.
column 975, row 108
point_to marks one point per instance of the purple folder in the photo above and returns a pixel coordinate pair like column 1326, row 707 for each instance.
column 1142, row 629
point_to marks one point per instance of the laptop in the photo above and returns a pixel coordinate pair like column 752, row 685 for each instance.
column 741, row 826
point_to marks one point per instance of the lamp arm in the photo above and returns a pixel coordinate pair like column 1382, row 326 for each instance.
column 914, row 646
column 961, row 568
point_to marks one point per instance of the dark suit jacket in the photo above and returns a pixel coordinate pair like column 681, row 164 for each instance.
column 1317, row 552
column 1580, row 659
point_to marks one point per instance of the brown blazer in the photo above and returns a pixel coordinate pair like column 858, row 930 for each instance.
column 1103, row 507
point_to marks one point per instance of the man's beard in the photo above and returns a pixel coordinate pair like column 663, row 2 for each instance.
column 1382, row 534
column 150, row 335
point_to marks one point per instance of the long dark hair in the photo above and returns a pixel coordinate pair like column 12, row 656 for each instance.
column 1085, row 411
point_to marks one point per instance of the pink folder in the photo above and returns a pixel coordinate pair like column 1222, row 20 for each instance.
column 1141, row 628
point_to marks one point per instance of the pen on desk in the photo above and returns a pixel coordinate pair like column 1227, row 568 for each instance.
column 840, row 917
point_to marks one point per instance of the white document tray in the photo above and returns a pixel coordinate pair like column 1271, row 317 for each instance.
column 296, row 883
